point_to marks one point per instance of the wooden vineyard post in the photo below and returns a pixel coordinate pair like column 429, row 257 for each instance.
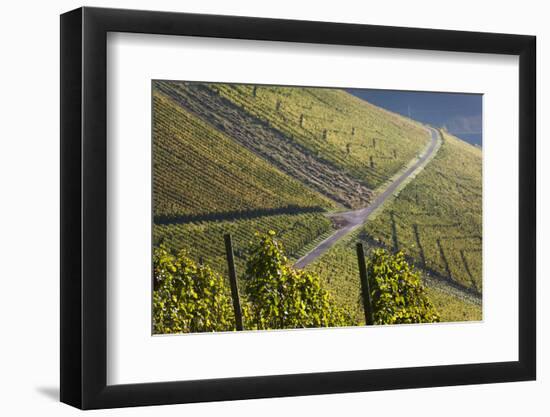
column 365, row 291
column 233, row 282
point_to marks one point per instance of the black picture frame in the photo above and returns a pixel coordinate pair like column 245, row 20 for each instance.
column 84, row 207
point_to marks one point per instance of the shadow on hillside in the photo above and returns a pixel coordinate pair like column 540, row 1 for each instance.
column 237, row 215
column 446, row 278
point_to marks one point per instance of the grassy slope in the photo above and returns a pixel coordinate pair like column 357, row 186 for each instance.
column 444, row 202
column 199, row 170
column 336, row 126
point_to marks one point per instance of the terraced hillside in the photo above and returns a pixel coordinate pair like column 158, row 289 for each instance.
column 205, row 185
column 437, row 221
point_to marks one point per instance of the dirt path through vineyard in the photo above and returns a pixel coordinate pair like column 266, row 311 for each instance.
column 351, row 220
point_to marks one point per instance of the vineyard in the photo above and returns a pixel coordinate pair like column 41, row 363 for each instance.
column 200, row 171
column 338, row 271
column 343, row 164
column 205, row 239
column 192, row 297
column 436, row 221
column 206, row 185
column 242, row 159
column 365, row 141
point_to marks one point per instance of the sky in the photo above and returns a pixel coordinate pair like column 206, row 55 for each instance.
column 461, row 114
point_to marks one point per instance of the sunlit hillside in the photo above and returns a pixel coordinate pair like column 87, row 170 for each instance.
column 436, row 220
column 242, row 159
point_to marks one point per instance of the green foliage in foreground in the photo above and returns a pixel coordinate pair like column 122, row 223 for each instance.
column 398, row 296
column 192, row 298
column 188, row 297
column 281, row 297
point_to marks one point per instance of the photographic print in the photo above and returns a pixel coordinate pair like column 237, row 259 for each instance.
column 288, row 207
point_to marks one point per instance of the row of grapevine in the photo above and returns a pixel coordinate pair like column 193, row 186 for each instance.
column 198, row 170
column 204, row 239
column 437, row 218
column 345, row 130
column 191, row 297
column 259, row 137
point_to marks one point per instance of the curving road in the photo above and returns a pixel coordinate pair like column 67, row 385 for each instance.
column 353, row 219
